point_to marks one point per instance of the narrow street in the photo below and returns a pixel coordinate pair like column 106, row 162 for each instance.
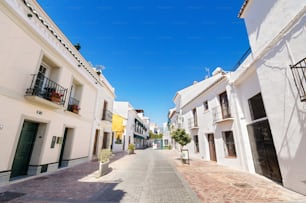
column 146, row 176
column 149, row 176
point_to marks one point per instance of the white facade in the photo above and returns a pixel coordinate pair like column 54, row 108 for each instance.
column 277, row 37
column 267, row 114
column 49, row 95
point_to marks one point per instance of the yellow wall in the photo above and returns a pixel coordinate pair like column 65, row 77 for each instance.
column 117, row 125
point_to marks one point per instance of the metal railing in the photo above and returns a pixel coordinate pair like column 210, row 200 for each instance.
column 242, row 58
column 43, row 87
column 221, row 112
column 299, row 76
column 107, row 115
column 73, row 105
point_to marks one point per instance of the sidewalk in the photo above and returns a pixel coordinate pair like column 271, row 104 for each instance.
column 219, row 184
column 145, row 177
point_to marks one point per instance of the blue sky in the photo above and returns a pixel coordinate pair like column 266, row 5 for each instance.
column 152, row 48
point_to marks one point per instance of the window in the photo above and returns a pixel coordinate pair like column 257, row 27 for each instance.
column 195, row 119
column 257, row 107
column 205, row 104
column 224, row 105
column 230, row 150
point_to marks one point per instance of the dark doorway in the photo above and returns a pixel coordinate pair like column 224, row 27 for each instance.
column 24, row 149
column 212, row 148
column 94, row 150
column 60, row 161
column 263, row 150
column 105, row 141
column 196, row 143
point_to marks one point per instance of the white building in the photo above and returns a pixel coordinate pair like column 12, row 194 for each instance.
column 136, row 124
column 261, row 128
column 277, row 36
column 167, row 140
column 51, row 98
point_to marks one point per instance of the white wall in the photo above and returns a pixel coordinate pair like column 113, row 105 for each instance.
column 24, row 43
column 263, row 22
column 286, row 114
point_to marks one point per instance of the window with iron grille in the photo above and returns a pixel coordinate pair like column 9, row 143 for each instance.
column 299, row 75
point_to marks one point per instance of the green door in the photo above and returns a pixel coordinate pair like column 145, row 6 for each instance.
column 24, row 149
column 60, row 162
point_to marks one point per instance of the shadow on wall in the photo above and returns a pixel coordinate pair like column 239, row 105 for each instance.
column 264, row 7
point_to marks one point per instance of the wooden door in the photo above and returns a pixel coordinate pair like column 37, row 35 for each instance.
column 24, row 149
column 212, row 148
column 263, row 150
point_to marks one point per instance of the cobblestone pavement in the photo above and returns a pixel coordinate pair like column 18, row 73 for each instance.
column 147, row 176
column 218, row 184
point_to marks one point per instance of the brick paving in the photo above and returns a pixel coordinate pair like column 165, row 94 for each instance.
column 219, row 184
column 151, row 176
column 144, row 177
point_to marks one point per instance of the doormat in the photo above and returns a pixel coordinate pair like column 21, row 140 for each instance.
column 7, row 196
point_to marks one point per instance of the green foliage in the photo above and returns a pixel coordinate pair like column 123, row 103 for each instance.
column 181, row 137
column 155, row 136
column 104, row 155
column 131, row 147
column 118, row 140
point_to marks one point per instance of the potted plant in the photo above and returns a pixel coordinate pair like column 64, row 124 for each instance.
column 55, row 96
column 183, row 138
column 104, row 161
column 131, row 148
column 75, row 108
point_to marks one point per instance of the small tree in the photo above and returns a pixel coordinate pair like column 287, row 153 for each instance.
column 181, row 137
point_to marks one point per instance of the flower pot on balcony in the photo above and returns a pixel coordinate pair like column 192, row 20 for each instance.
column 75, row 111
column 55, row 99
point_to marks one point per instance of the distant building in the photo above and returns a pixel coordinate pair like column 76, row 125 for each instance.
column 135, row 125
column 51, row 99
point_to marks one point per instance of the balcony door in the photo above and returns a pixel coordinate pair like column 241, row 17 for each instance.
column 224, row 105
column 212, row 148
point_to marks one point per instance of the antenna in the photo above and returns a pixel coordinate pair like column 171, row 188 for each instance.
column 208, row 72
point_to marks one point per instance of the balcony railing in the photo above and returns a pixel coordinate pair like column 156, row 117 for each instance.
column 107, row 115
column 192, row 124
column 220, row 113
column 299, row 75
column 45, row 88
column 73, row 105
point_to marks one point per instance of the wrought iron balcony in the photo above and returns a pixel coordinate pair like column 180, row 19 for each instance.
column 73, row 105
column 299, row 76
column 221, row 113
column 45, row 88
column 107, row 115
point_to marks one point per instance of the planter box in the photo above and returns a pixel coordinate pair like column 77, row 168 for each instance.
column 103, row 168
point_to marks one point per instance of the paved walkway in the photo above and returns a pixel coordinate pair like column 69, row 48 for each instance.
column 219, row 184
column 147, row 176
